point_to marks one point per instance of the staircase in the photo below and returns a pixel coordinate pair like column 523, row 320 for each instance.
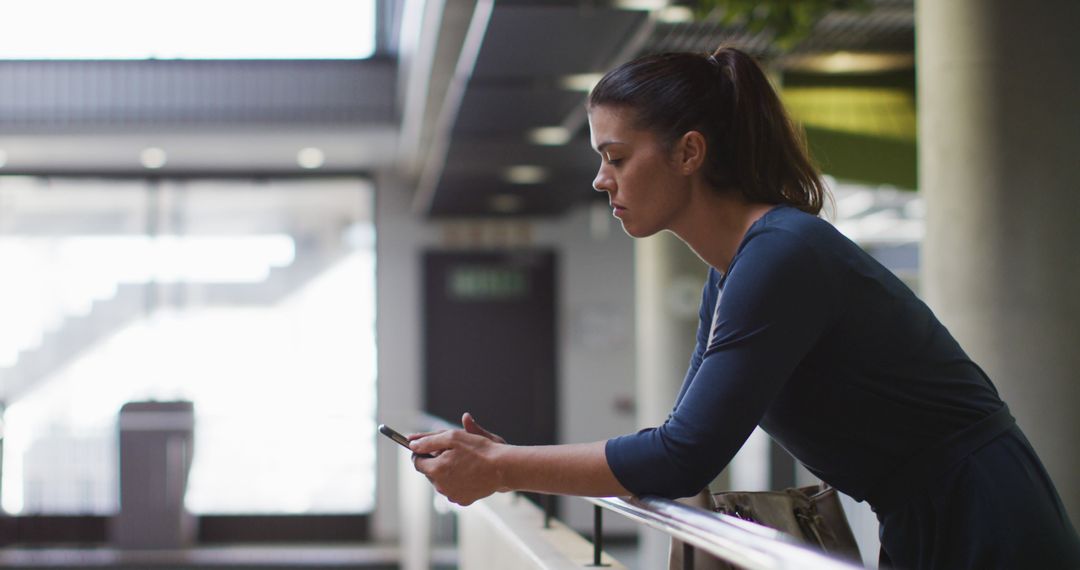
column 78, row 334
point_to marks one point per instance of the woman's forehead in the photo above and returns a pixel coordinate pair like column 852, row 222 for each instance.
column 613, row 124
column 611, row 120
column 613, row 113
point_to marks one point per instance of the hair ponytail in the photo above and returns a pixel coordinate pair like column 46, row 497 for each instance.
column 752, row 145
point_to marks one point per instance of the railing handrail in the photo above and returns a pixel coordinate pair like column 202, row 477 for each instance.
column 742, row 543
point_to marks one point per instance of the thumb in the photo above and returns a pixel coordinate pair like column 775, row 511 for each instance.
column 469, row 423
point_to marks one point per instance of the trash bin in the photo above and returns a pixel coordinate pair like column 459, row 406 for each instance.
column 156, row 443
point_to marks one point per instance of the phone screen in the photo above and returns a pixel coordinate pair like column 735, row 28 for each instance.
column 398, row 438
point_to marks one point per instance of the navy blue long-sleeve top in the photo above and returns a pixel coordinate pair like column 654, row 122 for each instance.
column 809, row 337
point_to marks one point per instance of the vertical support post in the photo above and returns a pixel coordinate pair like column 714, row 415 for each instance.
column 667, row 290
column 598, row 534
column 687, row 556
column 549, row 507
column 999, row 177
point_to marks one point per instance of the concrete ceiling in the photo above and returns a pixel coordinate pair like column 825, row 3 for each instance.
column 447, row 102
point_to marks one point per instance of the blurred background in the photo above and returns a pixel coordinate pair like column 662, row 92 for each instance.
column 236, row 235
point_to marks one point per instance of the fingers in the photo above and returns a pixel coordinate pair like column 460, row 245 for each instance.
column 431, row 468
column 439, row 475
column 433, row 443
column 414, row 436
column 456, row 471
column 423, row 464
column 418, row 436
column 469, row 423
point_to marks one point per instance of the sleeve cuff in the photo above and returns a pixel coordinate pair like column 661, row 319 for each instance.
column 626, row 463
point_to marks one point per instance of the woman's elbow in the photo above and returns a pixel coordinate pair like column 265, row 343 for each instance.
column 682, row 482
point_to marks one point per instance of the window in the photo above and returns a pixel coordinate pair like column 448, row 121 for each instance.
column 254, row 301
column 193, row 29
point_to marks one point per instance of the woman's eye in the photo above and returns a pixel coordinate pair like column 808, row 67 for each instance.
column 608, row 158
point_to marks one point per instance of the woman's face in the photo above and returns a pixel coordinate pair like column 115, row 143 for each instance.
column 646, row 190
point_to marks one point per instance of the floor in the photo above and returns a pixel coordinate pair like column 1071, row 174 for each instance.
column 367, row 557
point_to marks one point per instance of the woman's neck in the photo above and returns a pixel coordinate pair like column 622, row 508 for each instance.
column 715, row 224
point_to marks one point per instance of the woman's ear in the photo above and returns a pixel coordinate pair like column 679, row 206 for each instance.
column 691, row 152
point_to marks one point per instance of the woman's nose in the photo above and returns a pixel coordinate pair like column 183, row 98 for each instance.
column 602, row 182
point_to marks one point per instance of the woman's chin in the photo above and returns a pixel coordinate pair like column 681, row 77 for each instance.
column 637, row 232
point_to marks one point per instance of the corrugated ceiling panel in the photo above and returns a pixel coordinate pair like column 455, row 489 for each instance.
column 50, row 95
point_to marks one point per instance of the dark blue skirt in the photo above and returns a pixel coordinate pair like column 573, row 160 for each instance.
column 994, row 508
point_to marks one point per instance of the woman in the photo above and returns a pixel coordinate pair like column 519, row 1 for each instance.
column 801, row 333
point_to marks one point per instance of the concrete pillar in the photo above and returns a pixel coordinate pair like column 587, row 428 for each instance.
column 999, row 143
column 402, row 235
column 668, row 278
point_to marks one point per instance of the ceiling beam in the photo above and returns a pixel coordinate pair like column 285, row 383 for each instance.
column 435, row 158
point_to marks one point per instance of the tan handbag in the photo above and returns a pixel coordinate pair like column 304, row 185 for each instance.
column 813, row 515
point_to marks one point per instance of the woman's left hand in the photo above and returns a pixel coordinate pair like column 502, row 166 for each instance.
column 464, row 465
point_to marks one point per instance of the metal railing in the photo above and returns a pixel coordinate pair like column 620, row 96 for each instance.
column 734, row 540
column 743, row 544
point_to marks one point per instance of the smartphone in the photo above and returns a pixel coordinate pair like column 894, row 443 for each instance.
column 398, row 438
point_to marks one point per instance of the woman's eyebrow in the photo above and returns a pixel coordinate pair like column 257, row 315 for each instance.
column 600, row 147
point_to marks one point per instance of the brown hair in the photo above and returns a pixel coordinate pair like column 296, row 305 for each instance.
column 752, row 145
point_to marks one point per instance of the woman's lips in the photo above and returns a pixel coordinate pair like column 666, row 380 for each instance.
column 617, row 209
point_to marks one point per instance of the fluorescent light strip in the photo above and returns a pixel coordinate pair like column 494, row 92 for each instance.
column 549, row 136
column 580, row 82
column 525, row 174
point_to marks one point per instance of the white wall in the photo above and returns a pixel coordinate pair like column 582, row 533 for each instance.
column 596, row 337
column 595, row 326
column 508, row 532
column 399, row 238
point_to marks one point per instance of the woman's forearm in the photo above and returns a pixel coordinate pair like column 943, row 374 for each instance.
column 466, row 467
column 573, row 469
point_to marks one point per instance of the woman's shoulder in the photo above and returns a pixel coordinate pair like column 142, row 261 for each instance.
column 790, row 218
column 790, row 228
column 787, row 243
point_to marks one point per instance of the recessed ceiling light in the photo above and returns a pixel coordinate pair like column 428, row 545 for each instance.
column 580, row 81
column 551, row 136
column 525, row 174
column 310, row 158
column 153, row 157
column 505, row 203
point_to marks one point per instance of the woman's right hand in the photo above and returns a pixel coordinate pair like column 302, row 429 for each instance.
column 462, row 464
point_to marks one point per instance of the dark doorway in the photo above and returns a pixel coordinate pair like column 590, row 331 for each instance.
column 489, row 341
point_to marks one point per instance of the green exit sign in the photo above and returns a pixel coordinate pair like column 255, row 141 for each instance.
column 487, row 283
